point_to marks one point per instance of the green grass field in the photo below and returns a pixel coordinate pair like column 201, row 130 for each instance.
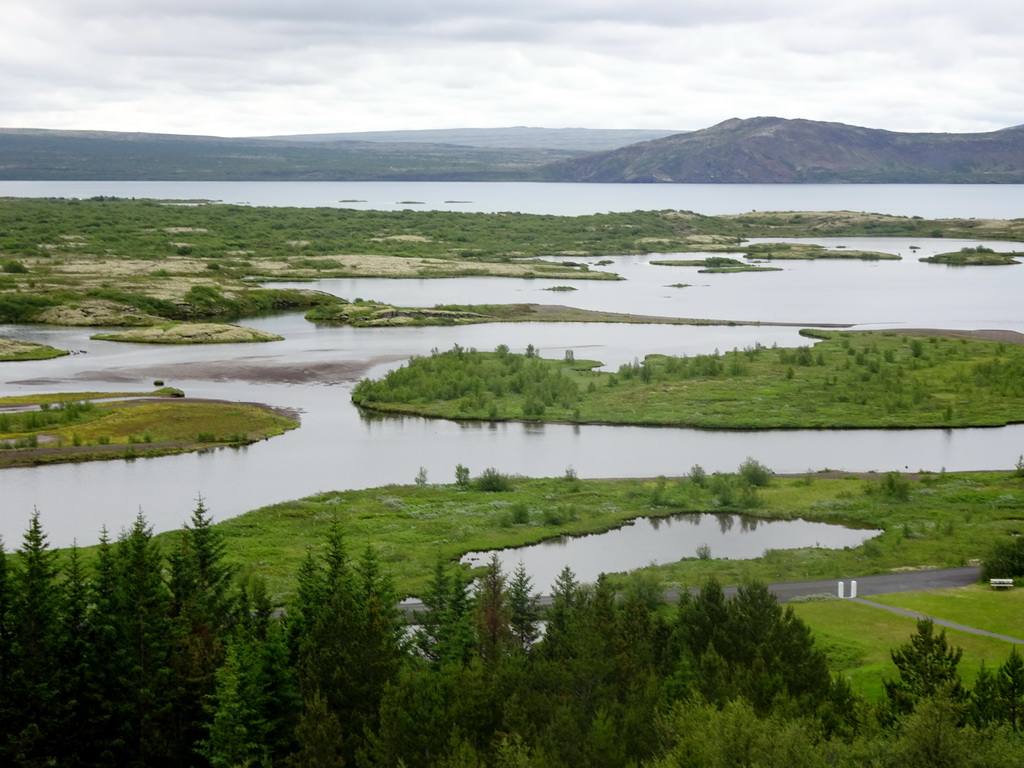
column 858, row 638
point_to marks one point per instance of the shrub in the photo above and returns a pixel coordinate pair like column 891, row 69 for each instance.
column 755, row 473
column 520, row 513
column 697, row 475
column 493, row 481
column 1005, row 560
column 14, row 267
column 895, row 487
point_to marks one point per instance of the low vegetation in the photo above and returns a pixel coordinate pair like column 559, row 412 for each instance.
column 140, row 262
column 88, row 426
column 847, row 380
column 978, row 256
column 929, row 521
column 809, row 251
column 366, row 313
column 14, row 349
column 190, row 333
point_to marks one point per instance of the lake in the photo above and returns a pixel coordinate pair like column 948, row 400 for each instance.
column 659, row 540
column 994, row 201
column 338, row 447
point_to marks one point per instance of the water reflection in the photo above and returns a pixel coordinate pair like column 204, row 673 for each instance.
column 659, row 540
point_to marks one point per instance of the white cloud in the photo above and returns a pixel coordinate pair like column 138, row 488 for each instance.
column 249, row 67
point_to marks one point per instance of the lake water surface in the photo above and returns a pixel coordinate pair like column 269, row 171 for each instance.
column 994, row 201
column 660, row 540
column 338, row 447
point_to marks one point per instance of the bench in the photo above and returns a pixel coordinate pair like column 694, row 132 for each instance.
column 1000, row 583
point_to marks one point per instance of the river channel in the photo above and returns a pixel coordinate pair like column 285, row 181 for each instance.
column 338, row 447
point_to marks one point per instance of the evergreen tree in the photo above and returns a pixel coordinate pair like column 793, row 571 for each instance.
column 107, row 696
column 138, row 616
column 35, row 681
column 524, row 610
column 8, row 707
column 926, row 665
column 445, row 634
column 350, row 645
column 202, row 611
column 235, row 736
column 492, row 614
column 1010, row 685
column 74, row 661
column 566, row 598
column 319, row 737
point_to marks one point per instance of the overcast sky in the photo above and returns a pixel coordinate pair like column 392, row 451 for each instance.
column 262, row 67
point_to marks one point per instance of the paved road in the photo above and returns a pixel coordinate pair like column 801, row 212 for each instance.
column 908, row 581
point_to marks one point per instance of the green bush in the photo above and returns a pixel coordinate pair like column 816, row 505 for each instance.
column 14, row 267
column 493, row 481
column 1005, row 560
column 755, row 473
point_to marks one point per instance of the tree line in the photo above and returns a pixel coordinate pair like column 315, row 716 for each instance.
column 141, row 658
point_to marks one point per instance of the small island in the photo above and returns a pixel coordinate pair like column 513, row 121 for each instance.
column 848, row 380
column 14, row 349
column 87, row 426
column 190, row 333
column 811, row 251
column 978, row 256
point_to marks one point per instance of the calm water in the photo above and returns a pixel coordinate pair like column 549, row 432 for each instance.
column 997, row 201
column 659, row 540
column 337, row 447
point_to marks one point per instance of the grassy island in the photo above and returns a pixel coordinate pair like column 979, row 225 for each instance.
column 710, row 262
column 14, row 349
column 366, row 314
column 848, row 380
column 809, row 251
column 979, row 256
column 190, row 333
column 89, row 426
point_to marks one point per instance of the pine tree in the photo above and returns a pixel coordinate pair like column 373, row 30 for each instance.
column 926, row 665
column 492, row 614
column 566, row 599
column 524, row 609
column 8, row 706
column 349, row 648
column 445, row 634
column 202, row 611
column 319, row 737
column 35, row 679
column 138, row 616
column 73, row 661
column 1010, row 684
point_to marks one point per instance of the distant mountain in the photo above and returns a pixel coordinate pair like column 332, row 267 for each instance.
column 759, row 150
column 569, row 139
column 499, row 154
column 768, row 150
column 44, row 154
